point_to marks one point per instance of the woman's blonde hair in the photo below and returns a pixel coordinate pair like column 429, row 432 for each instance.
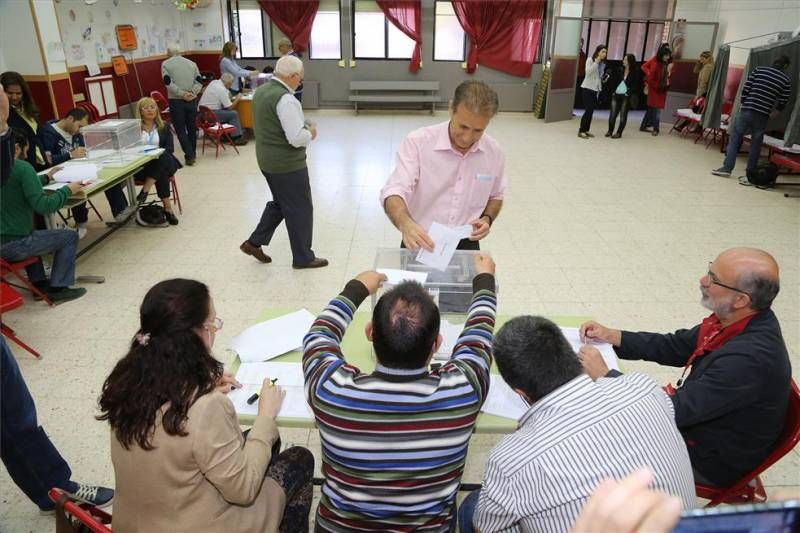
column 149, row 101
column 229, row 49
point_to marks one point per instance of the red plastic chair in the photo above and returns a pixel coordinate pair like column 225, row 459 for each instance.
column 749, row 489
column 93, row 518
column 94, row 114
column 173, row 186
column 16, row 269
column 213, row 129
column 10, row 300
column 162, row 103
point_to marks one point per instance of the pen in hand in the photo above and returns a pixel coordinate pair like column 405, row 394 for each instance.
column 252, row 399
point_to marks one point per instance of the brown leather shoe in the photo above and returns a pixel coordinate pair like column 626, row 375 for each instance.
column 255, row 251
column 318, row 262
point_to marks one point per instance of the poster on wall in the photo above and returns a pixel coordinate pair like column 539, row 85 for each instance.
column 77, row 54
column 126, row 37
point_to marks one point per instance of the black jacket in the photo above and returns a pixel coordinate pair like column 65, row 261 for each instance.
column 18, row 123
column 732, row 406
column 168, row 159
column 632, row 81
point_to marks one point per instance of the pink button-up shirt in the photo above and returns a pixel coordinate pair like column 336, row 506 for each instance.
column 440, row 184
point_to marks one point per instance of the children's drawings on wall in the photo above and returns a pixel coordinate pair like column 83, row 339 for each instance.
column 199, row 44
column 87, row 33
column 215, row 40
column 55, row 51
column 76, row 54
column 100, row 53
column 198, row 27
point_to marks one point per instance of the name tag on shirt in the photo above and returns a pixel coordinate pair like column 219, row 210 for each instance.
column 483, row 177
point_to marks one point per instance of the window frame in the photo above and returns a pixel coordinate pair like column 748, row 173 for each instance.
column 650, row 25
column 267, row 31
column 385, row 38
column 341, row 51
column 433, row 46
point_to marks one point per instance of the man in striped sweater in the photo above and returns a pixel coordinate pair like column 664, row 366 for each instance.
column 394, row 441
column 764, row 95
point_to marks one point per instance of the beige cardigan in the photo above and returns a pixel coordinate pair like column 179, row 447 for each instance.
column 211, row 480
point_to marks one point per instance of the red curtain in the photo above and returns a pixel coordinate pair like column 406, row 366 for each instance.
column 294, row 18
column 406, row 17
column 503, row 34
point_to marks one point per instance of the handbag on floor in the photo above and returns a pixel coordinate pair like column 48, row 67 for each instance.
column 151, row 216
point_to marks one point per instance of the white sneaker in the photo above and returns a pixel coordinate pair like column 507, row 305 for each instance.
column 82, row 230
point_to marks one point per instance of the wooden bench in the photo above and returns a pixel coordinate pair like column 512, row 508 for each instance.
column 395, row 92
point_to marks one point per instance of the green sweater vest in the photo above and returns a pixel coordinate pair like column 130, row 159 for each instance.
column 274, row 153
column 20, row 196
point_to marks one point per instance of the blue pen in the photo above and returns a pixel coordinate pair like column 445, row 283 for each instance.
column 150, row 149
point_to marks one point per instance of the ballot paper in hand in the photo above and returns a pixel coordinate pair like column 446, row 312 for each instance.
column 396, row 276
column 290, row 378
column 272, row 338
column 85, row 173
column 502, row 400
column 606, row 350
column 445, row 242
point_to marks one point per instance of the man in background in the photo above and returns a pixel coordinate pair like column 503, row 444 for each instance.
column 182, row 78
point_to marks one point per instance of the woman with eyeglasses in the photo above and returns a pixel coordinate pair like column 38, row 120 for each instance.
column 180, row 459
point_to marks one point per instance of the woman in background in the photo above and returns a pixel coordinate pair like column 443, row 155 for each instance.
column 624, row 83
column 656, row 84
column 24, row 115
column 180, row 459
column 158, row 171
column 227, row 63
column 591, row 87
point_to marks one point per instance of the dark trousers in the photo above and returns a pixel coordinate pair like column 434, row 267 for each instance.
column 184, row 115
column 746, row 122
column 30, row 457
column 291, row 200
column 619, row 107
column 116, row 199
column 652, row 118
column 589, row 103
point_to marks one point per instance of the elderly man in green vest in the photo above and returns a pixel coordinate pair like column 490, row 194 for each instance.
column 282, row 135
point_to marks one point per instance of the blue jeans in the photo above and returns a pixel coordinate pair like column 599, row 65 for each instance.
column 746, row 122
column 227, row 116
column 184, row 115
column 466, row 511
column 116, row 199
column 32, row 461
column 62, row 243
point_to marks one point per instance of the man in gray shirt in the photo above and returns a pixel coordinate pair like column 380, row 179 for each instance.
column 182, row 78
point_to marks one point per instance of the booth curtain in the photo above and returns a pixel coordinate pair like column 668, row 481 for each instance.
column 716, row 89
column 294, row 18
column 406, row 15
column 503, row 34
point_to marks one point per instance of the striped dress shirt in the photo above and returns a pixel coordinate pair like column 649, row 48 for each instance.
column 765, row 89
column 394, row 442
column 539, row 477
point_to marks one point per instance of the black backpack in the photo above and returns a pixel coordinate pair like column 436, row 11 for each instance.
column 151, row 216
column 764, row 176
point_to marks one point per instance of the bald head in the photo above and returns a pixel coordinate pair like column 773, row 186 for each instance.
column 756, row 273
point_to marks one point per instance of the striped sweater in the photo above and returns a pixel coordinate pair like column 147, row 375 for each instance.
column 766, row 88
column 394, row 442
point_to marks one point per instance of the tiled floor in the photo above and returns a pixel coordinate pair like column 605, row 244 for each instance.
column 620, row 230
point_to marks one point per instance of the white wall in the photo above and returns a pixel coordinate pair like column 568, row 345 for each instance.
column 739, row 19
column 17, row 34
column 48, row 30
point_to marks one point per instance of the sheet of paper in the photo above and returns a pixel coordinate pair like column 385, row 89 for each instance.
column 93, row 69
column 445, row 243
column 606, row 350
column 463, row 231
column 82, row 172
column 290, row 378
column 450, row 333
column 395, row 276
column 272, row 338
column 502, row 400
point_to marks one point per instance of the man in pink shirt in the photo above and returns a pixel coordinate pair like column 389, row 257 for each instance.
column 450, row 173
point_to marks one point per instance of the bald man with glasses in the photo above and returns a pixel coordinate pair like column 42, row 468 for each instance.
column 731, row 397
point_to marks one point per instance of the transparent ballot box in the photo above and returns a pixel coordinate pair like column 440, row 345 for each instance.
column 451, row 289
column 113, row 142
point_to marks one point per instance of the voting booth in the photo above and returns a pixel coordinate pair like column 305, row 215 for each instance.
column 450, row 288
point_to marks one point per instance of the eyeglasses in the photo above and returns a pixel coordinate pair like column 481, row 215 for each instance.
column 715, row 280
column 216, row 324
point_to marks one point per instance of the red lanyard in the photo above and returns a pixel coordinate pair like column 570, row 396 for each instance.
column 712, row 336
